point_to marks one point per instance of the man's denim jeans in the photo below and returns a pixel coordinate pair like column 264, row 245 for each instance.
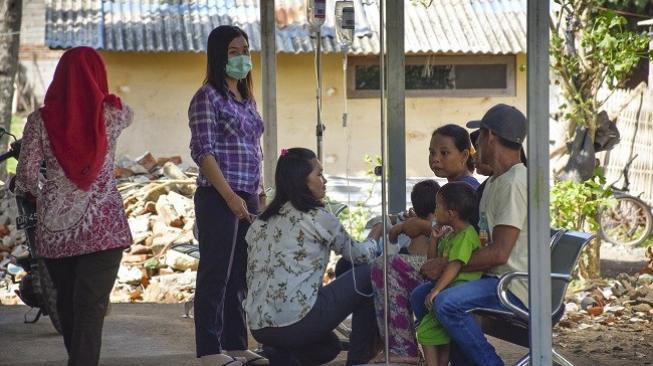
column 451, row 307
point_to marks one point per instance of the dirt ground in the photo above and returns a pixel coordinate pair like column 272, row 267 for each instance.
column 156, row 334
column 622, row 343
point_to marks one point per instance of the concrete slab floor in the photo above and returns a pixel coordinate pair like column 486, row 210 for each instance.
column 136, row 334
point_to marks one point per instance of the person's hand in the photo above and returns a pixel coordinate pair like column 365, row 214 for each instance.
column 238, row 207
column 394, row 232
column 262, row 202
column 410, row 213
column 432, row 268
column 439, row 231
column 428, row 302
column 376, row 232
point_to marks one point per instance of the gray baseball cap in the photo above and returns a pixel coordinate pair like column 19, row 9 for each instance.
column 505, row 121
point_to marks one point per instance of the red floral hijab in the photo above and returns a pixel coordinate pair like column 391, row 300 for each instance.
column 73, row 114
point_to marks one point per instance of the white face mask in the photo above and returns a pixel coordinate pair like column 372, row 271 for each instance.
column 239, row 66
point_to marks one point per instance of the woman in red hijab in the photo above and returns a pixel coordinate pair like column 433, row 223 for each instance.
column 82, row 228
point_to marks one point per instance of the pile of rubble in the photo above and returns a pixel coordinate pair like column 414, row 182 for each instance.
column 161, row 264
column 622, row 302
column 11, row 245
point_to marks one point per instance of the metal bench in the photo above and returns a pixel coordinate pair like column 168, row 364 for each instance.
column 511, row 325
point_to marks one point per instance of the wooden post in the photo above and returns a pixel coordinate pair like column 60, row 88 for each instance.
column 396, row 107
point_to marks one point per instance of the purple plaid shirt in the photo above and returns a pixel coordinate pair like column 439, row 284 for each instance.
column 231, row 131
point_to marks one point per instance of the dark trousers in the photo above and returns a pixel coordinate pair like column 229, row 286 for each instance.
column 221, row 283
column 311, row 341
column 83, row 286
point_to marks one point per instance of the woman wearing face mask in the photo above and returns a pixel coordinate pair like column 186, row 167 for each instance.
column 225, row 134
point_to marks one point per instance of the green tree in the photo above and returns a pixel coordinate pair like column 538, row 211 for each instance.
column 591, row 49
column 10, row 19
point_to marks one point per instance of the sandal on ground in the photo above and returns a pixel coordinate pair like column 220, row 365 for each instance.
column 250, row 358
column 221, row 359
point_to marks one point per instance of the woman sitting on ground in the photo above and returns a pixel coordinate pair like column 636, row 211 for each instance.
column 288, row 309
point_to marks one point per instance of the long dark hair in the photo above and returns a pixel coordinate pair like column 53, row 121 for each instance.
column 293, row 168
column 461, row 140
column 217, row 55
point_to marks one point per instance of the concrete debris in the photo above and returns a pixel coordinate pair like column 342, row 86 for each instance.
column 628, row 299
column 157, row 195
column 159, row 205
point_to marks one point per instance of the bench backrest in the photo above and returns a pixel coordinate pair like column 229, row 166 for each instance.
column 564, row 256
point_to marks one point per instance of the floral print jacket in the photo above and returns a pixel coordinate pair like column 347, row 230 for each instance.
column 72, row 222
column 287, row 258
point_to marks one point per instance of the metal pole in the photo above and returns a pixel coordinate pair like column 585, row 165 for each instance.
column 269, row 89
column 319, row 128
column 538, row 183
column 396, row 108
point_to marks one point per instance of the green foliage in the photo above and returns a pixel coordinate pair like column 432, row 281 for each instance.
column 591, row 47
column 618, row 49
column 354, row 218
column 575, row 206
column 17, row 125
column 626, row 5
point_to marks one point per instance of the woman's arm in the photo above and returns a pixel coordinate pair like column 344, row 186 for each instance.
column 31, row 157
column 334, row 235
column 211, row 170
column 203, row 121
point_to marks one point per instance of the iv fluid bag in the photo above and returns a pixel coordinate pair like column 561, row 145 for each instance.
column 316, row 13
column 345, row 22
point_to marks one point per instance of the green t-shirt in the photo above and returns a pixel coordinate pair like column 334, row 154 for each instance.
column 459, row 247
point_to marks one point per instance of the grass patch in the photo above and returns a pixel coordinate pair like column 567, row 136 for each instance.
column 16, row 128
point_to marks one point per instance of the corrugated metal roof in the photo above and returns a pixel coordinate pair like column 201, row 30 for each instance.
column 447, row 26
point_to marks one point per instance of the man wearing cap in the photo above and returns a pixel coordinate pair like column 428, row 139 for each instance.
column 503, row 214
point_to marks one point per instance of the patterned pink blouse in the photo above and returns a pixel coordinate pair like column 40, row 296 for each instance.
column 73, row 222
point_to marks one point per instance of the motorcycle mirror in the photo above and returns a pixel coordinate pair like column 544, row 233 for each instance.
column 4, row 132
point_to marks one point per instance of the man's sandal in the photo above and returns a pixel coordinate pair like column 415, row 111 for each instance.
column 229, row 361
column 233, row 362
column 257, row 361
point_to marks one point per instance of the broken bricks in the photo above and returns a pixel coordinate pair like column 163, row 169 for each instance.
column 158, row 201
column 625, row 300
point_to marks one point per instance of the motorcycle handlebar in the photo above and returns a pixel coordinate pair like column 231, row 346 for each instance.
column 13, row 152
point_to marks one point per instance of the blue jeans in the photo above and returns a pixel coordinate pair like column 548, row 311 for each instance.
column 417, row 298
column 311, row 341
column 452, row 308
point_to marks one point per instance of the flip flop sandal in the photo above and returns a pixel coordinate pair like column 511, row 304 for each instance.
column 233, row 362
column 253, row 361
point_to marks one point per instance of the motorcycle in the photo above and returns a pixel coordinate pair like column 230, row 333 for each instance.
column 35, row 289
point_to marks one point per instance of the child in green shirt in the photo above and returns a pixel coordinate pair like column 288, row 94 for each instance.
column 454, row 238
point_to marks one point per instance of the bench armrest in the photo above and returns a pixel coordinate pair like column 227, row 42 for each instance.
column 502, row 291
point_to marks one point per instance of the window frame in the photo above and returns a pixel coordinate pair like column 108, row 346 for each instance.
column 508, row 60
